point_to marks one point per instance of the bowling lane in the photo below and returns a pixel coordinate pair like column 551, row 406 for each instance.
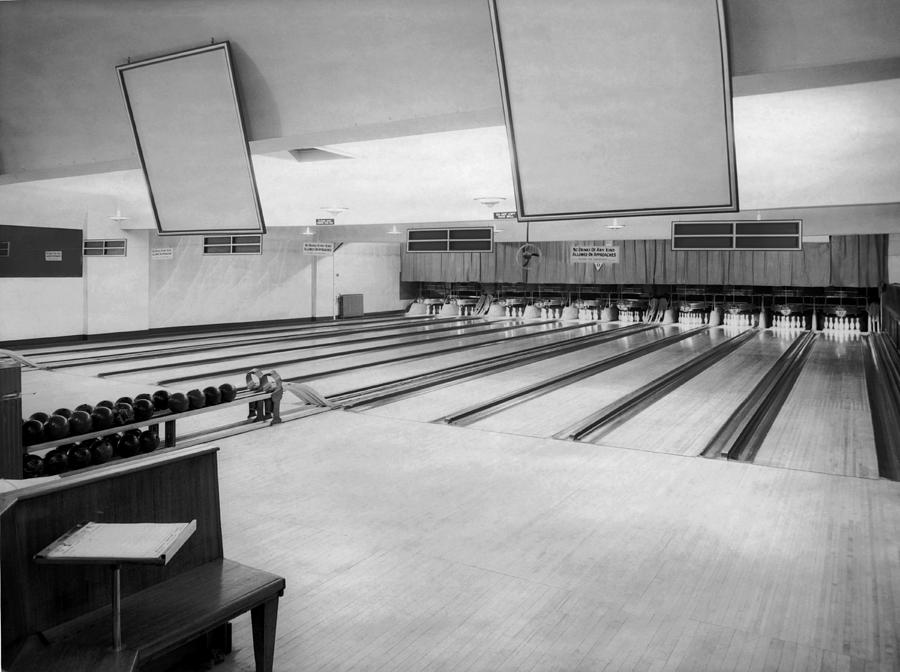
column 189, row 376
column 436, row 403
column 229, row 338
column 221, row 357
column 549, row 413
column 825, row 424
column 686, row 419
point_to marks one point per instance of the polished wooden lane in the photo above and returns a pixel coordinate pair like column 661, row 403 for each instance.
column 826, row 423
column 433, row 404
column 411, row 546
column 686, row 419
column 549, row 413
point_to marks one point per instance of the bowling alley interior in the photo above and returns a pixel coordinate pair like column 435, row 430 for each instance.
column 466, row 335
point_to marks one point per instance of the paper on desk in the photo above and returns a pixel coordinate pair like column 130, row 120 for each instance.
column 120, row 542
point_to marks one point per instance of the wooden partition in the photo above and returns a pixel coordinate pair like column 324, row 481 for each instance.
column 170, row 486
column 847, row 261
column 890, row 313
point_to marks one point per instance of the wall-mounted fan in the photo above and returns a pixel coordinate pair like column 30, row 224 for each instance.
column 528, row 256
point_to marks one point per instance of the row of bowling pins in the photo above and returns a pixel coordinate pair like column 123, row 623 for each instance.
column 788, row 322
column 841, row 324
column 515, row 311
column 693, row 318
column 631, row 315
column 551, row 313
column 467, row 310
column 739, row 320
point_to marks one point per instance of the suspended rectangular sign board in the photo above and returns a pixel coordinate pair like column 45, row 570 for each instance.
column 590, row 254
column 191, row 142
column 318, row 249
column 616, row 107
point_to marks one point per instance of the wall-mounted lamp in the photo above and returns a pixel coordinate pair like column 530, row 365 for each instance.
column 309, row 232
column 615, row 225
column 118, row 218
column 394, row 231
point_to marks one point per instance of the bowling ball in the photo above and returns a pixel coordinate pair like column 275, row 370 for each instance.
column 213, row 395
column 128, row 445
column 143, row 409
column 56, row 462
column 56, row 427
column 178, row 402
column 80, row 423
column 196, row 398
column 113, row 440
column 32, row 466
column 65, row 412
column 125, row 413
column 102, row 418
column 87, row 408
column 144, row 395
column 160, row 400
column 107, row 403
column 125, row 400
column 101, row 451
column 32, row 432
column 40, row 416
column 228, row 392
column 148, row 441
column 79, row 456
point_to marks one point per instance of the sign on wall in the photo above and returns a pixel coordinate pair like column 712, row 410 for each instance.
column 162, row 253
column 318, row 249
column 590, row 254
column 52, row 255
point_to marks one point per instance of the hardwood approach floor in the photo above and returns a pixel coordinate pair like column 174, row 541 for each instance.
column 413, row 546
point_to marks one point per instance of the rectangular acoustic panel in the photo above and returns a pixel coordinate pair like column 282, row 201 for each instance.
column 616, row 107
column 191, row 142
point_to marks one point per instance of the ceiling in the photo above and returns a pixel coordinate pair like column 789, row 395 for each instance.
column 408, row 91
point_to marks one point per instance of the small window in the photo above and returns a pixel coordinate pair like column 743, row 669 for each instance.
column 232, row 244
column 4, row 248
column 104, row 248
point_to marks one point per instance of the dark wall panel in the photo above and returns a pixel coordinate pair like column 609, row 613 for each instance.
column 28, row 248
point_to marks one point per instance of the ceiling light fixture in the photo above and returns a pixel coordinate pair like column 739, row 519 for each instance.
column 490, row 201
column 118, row 218
column 615, row 225
column 309, row 232
column 335, row 210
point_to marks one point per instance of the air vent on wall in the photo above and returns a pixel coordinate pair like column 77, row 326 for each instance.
column 773, row 234
column 450, row 240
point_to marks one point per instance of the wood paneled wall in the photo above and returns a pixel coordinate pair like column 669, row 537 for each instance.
column 847, row 261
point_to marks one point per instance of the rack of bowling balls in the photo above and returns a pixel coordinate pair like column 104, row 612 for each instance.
column 129, row 427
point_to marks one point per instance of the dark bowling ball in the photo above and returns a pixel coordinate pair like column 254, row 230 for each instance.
column 107, row 403
column 178, row 402
column 80, row 423
column 212, row 395
column 143, row 409
column 56, row 427
column 32, row 432
column 125, row 400
column 160, row 400
column 65, row 412
column 196, row 398
column 40, row 416
column 113, row 440
column 125, row 412
column 228, row 392
column 102, row 418
column 129, row 445
column 55, row 462
column 148, row 441
column 32, row 466
column 87, row 408
column 79, row 456
column 101, row 451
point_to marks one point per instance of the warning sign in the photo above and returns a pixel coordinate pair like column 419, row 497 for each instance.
column 592, row 254
column 162, row 253
column 318, row 249
column 52, row 255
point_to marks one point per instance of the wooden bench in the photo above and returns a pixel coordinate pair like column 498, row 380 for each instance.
column 58, row 617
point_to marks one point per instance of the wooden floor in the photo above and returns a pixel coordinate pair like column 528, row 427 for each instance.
column 411, row 546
